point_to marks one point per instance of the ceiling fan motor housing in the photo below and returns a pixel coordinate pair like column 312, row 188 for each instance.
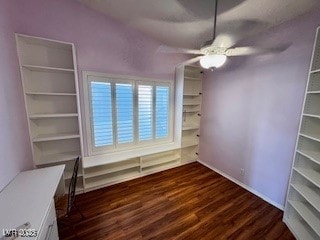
column 213, row 50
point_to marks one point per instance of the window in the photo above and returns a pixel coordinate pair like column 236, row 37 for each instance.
column 128, row 113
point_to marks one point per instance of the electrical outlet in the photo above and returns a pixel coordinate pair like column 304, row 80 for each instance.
column 242, row 172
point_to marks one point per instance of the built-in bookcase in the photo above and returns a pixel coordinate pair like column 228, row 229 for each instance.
column 192, row 96
column 302, row 210
column 49, row 78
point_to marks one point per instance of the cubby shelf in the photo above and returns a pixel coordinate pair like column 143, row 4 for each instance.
column 192, row 78
column 189, row 143
column 111, row 170
column 313, row 92
column 188, row 127
column 160, row 161
column 47, row 69
column 307, row 215
column 313, row 136
column 188, row 158
column 50, row 94
column 299, row 229
column 312, row 155
column 192, row 111
column 57, row 157
column 311, row 115
column 309, row 194
column 54, row 137
column 191, row 94
column 191, row 104
column 52, row 115
column 90, row 184
column 309, row 174
column 315, row 71
column 160, row 167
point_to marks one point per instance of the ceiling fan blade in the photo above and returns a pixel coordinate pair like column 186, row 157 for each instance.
column 245, row 51
column 167, row 49
column 191, row 61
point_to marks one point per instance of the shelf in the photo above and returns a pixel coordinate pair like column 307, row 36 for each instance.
column 50, row 94
column 191, row 104
column 299, row 229
column 189, row 143
column 52, row 115
column 312, row 155
column 54, row 137
column 110, row 180
column 315, row 71
column 47, row 69
column 45, row 42
column 311, row 115
column 314, row 137
column 58, row 157
column 309, row 174
column 186, row 159
column 159, row 168
column 312, row 220
column 191, row 95
column 68, row 175
column 313, row 92
column 192, row 111
column 192, row 78
column 309, row 194
column 160, row 161
column 190, row 127
column 111, row 170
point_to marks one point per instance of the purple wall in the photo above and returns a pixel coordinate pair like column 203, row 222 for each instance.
column 251, row 110
column 14, row 139
column 102, row 44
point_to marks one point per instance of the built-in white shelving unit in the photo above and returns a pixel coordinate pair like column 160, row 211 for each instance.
column 127, row 169
column 49, row 78
column 302, row 210
column 192, row 96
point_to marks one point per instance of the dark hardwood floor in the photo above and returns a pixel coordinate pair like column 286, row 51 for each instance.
column 188, row 202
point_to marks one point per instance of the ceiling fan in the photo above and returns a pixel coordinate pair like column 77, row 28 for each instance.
column 214, row 56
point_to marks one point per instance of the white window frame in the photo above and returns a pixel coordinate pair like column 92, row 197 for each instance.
column 136, row 145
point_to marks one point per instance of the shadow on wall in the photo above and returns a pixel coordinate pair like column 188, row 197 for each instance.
column 252, row 106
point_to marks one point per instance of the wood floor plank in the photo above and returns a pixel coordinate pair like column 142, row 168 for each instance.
column 188, row 202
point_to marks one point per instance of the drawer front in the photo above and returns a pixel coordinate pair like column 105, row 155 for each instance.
column 49, row 229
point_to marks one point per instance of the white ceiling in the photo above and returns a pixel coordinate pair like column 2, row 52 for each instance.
column 188, row 23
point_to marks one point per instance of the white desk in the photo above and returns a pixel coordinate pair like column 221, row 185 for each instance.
column 29, row 198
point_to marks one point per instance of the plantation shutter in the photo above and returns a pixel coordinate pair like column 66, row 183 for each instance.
column 145, row 112
column 162, row 112
column 124, row 106
column 101, row 106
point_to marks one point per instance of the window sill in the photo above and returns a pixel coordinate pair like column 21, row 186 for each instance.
column 97, row 160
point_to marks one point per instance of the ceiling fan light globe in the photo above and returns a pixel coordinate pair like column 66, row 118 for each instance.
column 213, row 61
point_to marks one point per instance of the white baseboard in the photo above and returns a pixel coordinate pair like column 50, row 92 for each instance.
column 260, row 195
